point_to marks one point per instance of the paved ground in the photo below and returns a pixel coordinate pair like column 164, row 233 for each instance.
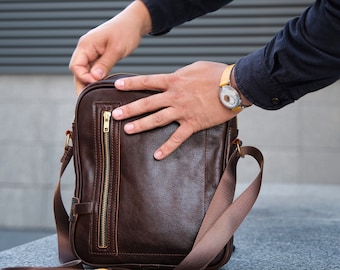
column 12, row 238
column 290, row 227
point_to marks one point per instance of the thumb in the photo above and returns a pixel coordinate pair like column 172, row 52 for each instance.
column 103, row 66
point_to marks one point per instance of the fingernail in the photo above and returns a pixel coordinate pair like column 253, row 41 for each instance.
column 158, row 154
column 129, row 127
column 98, row 73
column 117, row 114
column 119, row 83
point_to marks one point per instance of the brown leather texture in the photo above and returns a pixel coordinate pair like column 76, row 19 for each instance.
column 153, row 209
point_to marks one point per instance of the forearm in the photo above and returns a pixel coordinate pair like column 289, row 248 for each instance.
column 166, row 14
column 138, row 11
column 301, row 58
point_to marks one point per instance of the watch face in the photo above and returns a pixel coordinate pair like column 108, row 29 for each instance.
column 229, row 97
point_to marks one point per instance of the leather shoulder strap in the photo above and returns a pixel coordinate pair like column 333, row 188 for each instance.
column 223, row 217
column 60, row 214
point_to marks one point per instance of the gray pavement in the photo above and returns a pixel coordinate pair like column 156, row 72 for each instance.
column 10, row 238
column 291, row 227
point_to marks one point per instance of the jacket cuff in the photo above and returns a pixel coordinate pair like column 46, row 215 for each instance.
column 256, row 84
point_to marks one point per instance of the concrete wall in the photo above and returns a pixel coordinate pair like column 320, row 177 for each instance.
column 35, row 111
column 301, row 143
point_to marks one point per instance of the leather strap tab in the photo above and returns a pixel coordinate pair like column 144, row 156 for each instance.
column 83, row 208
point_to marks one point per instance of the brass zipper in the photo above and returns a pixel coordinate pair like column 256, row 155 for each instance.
column 103, row 243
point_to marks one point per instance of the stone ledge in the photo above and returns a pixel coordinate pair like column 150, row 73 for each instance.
column 290, row 227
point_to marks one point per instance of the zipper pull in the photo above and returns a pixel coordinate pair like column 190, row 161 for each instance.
column 106, row 117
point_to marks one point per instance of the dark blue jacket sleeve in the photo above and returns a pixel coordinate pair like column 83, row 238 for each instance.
column 302, row 58
column 166, row 14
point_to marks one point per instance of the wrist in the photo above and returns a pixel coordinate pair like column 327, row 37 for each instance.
column 143, row 13
column 139, row 12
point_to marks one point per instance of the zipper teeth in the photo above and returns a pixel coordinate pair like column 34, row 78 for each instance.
column 106, row 181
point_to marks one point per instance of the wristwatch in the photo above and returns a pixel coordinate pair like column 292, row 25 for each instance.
column 229, row 96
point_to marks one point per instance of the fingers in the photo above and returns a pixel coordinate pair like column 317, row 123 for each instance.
column 164, row 116
column 103, row 65
column 79, row 65
column 182, row 133
column 157, row 119
column 144, row 82
column 89, row 65
column 149, row 104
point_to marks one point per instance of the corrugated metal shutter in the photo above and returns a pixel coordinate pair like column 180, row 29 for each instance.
column 39, row 36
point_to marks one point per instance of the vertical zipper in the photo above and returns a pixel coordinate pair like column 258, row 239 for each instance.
column 103, row 216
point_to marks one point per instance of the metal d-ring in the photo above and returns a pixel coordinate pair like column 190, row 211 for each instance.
column 238, row 143
column 68, row 138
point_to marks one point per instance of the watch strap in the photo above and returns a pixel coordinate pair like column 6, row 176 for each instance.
column 225, row 78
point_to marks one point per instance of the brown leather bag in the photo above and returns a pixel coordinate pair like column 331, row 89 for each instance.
column 131, row 211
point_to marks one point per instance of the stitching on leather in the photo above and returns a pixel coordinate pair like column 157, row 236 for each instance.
column 206, row 175
column 92, row 222
column 153, row 254
column 116, row 172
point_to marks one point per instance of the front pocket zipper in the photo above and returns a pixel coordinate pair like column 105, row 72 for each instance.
column 103, row 215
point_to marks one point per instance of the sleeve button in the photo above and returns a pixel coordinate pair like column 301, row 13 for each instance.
column 275, row 101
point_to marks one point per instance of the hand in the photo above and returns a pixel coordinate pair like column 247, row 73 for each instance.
column 189, row 96
column 99, row 50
